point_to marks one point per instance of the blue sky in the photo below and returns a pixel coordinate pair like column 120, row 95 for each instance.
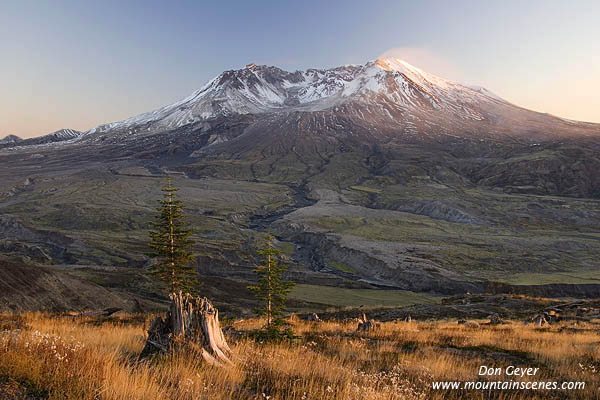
column 78, row 64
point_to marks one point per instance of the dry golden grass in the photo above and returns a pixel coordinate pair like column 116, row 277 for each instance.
column 66, row 358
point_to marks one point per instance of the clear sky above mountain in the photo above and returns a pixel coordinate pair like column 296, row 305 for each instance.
column 78, row 64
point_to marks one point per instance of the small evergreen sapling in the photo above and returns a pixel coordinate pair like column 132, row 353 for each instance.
column 170, row 241
column 272, row 291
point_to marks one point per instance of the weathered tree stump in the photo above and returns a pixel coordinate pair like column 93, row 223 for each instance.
column 190, row 321
column 365, row 324
column 539, row 320
column 313, row 317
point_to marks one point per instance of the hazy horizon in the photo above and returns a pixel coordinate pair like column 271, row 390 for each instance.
column 77, row 65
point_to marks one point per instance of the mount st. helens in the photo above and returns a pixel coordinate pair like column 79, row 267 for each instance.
column 371, row 176
column 388, row 92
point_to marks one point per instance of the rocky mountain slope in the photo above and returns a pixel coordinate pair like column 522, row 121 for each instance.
column 25, row 287
column 10, row 139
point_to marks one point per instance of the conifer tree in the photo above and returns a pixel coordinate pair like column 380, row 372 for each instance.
column 272, row 291
column 170, row 241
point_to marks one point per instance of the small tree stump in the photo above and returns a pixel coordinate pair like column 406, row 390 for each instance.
column 366, row 325
column 190, row 321
column 313, row 317
column 539, row 320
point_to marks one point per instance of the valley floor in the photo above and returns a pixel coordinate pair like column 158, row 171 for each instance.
column 61, row 357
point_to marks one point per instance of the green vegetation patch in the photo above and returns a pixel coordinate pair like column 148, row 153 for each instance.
column 356, row 297
column 342, row 267
column 569, row 277
column 286, row 248
column 365, row 189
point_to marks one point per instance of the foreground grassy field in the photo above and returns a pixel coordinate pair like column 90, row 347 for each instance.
column 73, row 358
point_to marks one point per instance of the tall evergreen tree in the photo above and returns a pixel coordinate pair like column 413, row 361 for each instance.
column 272, row 291
column 170, row 241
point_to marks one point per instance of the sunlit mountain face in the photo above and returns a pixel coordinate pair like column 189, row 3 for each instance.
column 393, row 95
column 388, row 99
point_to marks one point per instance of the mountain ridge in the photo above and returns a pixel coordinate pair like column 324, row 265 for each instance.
column 387, row 95
column 9, row 139
column 389, row 89
column 62, row 135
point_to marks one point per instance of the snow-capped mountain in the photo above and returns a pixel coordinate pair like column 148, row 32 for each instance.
column 388, row 95
column 63, row 135
column 9, row 139
column 58, row 136
column 262, row 89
